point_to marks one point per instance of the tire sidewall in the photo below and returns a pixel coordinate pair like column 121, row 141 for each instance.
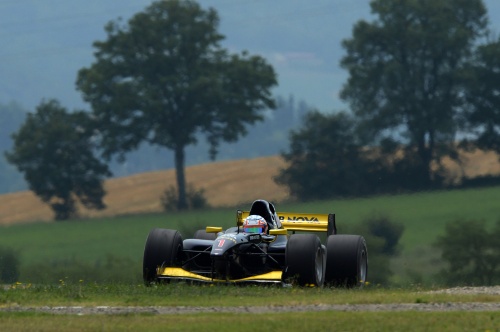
column 305, row 260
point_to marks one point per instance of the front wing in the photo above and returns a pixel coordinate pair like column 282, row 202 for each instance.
column 177, row 273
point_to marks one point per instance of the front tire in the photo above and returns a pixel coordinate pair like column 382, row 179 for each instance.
column 346, row 261
column 163, row 248
column 305, row 260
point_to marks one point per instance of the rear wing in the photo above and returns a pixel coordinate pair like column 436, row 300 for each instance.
column 302, row 222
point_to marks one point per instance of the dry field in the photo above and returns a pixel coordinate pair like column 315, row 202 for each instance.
column 226, row 183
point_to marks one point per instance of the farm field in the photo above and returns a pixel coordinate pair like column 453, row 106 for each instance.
column 226, row 184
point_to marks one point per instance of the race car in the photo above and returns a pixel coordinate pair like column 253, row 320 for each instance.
column 263, row 247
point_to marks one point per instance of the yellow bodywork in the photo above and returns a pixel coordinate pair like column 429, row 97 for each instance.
column 179, row 273
column 291, row 221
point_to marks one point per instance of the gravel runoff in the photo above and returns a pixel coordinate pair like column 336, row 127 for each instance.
column 394, row 307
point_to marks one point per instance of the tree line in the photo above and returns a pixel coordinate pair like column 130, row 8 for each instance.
column 422, row 85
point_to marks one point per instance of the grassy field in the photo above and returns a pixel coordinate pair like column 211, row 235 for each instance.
column 302, row 321
column 116, row 243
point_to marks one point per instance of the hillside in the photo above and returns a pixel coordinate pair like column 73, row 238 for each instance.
column 226, row 183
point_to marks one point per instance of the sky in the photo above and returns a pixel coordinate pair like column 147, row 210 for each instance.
column 43, row 43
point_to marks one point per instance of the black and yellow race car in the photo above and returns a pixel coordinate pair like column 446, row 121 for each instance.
column 263, row 247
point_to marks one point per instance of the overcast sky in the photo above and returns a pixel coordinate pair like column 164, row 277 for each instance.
column 45, row 42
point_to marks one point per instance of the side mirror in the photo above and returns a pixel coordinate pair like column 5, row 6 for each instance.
column 211, row 229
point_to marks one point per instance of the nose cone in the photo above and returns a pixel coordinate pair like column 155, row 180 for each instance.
column 222, row 244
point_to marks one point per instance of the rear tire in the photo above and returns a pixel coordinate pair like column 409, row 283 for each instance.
column 305, row 260
column 201, row 234
column 346, row 261
column 163, row 248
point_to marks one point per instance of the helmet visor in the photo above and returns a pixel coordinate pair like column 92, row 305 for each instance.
column 253, row 230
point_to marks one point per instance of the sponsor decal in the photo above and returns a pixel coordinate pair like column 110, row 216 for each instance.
column 221, row 242
column 254, row 238
column 229, row 237
column 309, row 219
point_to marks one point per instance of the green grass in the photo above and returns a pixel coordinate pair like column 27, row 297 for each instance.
column 104, row 242
column 180, row 294
column 301, row 321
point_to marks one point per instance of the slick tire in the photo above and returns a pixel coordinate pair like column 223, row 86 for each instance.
column 305, row 260
column 163, row 248
column 346, row 261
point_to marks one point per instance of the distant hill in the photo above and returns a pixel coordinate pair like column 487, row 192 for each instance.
column 226, row 184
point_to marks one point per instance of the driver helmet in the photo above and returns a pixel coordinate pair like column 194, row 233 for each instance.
column 255, row 224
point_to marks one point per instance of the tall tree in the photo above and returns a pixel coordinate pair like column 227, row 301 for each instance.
column 483, row 96
column 325, row 159
column 55, row 153
column 405, row 72
column 163, row 78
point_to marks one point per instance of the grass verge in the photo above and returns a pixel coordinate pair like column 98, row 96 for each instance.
column 206, row 295
column 310, row 321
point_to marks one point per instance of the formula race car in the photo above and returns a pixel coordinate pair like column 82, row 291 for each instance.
column 259, row 249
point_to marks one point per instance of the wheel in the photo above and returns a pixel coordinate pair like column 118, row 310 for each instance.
column 163, row 247
column 201, row 234
column 305, row 261
column 346, row 261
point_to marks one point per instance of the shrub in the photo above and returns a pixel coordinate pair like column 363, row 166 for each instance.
column 195, row 198
column 471, row 252
column 382, row 239
column 9, row 265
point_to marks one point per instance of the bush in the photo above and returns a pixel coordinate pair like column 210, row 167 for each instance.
column 382, row 237
column 471, row 252
column 195, row 198
column 9, row 265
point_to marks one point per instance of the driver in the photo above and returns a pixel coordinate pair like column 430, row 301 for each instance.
column 255, row 224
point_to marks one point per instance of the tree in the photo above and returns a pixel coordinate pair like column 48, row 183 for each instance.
column 163, row 79
column 55, row 153
column 325, row 158
column 483, row 96
column 406, row 71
